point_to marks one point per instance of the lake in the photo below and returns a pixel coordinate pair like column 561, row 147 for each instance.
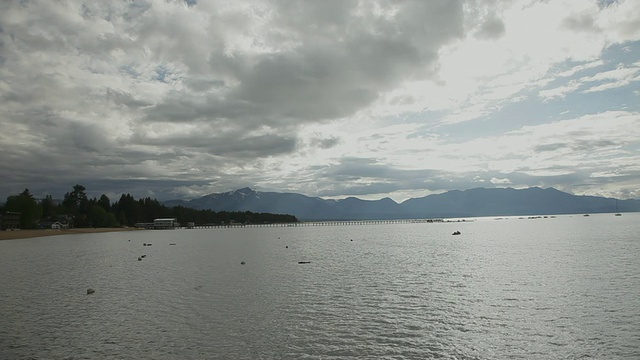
column 555, row 288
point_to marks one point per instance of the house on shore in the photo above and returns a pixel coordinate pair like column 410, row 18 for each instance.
column 10, row 220
column 144, row 225
column 159, row 224
column 56, row 223
column 164, row 224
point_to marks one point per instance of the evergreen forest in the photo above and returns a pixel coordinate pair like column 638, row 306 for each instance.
column 78, row 210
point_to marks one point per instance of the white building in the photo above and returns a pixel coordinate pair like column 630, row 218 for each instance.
column 168, row 223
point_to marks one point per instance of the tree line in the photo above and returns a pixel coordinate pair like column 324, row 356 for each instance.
column 78, row 210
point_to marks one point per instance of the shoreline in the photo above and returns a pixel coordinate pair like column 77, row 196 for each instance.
column 28, row 234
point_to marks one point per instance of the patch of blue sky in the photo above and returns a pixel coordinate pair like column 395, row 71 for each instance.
column 430, row 119
column 130, row 70
column 423, row 117
column 625, row 53
column 167, row 74
column 605, row 3
column 534, row 111
column 135, row 9
column 163, row 73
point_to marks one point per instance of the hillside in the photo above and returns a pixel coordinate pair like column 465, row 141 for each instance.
column 454, row 203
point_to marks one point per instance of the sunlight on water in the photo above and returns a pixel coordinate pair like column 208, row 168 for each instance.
column 504, row 289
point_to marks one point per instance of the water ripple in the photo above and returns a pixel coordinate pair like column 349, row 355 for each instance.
column 509, row 290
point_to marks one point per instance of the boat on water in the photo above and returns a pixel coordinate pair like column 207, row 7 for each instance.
column 617, row 211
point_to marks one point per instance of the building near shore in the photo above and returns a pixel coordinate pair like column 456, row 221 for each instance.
column 144, row 225
column 166, row 223
column 159, row 224
column 10, row 220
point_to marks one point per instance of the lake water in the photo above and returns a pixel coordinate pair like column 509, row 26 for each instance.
column 561, row 288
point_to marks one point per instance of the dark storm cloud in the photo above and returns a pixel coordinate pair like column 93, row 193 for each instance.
column 239, row 145
column 129, row 100
column 492, row 28
column 223, row 93
column 345, row 61
column 336, row 74
column 360, row 176
column 325, row 143
column 582, row 22
column 180, row 108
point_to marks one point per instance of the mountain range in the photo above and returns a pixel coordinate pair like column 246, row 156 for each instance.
column 451, row 204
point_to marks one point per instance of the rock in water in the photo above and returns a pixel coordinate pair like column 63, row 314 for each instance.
column 90, row 291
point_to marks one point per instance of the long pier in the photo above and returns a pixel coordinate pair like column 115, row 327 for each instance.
column 320, row 223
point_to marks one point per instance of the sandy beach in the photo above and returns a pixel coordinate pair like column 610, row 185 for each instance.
column 24, row 234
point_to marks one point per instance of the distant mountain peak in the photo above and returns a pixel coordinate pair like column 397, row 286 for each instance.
column 245, row 190
column 452, row 204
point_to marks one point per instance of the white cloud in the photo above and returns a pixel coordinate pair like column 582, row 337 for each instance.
column 621, row 76
column 609, row 85
column 580, row 68
column 606, row 174
column 497, row 181
column 560, row 91
column 275, row 94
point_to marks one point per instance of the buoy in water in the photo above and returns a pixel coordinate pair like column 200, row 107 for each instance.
column 139, row 258
column 242, row 262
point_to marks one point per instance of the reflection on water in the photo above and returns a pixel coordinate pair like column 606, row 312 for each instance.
column 511, row 289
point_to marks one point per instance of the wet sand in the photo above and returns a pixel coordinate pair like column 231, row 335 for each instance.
column 25, row 234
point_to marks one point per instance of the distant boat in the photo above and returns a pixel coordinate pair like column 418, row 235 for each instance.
column 585, row 215
column 617, row 211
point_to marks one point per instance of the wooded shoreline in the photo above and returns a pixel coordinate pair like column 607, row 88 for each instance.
column 26, row 234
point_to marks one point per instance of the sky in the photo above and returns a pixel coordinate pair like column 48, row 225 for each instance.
column 178, row 99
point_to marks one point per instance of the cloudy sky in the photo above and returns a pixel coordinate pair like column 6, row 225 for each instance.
column 178, row 99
